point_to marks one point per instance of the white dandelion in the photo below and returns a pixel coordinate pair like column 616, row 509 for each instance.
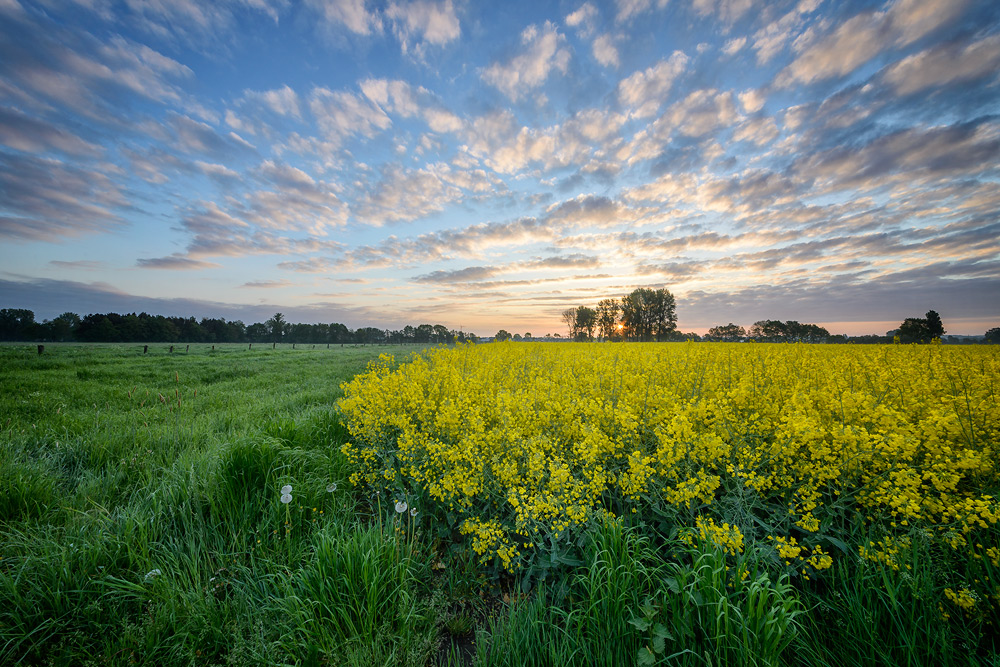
column 286, row 489
column 330, row 488
column 401, row 506
column 413, row 511
column 286, row 498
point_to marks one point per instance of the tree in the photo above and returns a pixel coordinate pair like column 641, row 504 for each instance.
column 732, row 333
column 648, row 314
column 935, row 327
column 16, row 323
column 569, row 317
column 585, row 320
column 63, row 328
column 992, row 335
column 607, row 319
column 502, row 335
column 276, row 327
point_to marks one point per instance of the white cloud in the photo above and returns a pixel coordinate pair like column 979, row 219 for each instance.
column 424, row 21
column 544, row 51
column 645, row 91
column 946, row 64
column 701, row 112
column 728, row 11
column 605, row 51
column 862, row 37
column 583, row 18
column 350, row 13
column 394, row 96
column 771, row 39
column 340, row 114
column 282, row 101
column 752, row 100
column 628, row 9
column 734, row 46
column 758, row 130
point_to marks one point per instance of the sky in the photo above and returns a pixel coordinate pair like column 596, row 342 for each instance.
column 486, row 165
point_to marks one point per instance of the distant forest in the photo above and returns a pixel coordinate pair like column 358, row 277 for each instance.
column 610, row 321
column 20, row 325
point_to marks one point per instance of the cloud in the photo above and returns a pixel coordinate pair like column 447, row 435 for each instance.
column 49, row 298
column 605, row 51
column 193, row 136
column 752, row 100
column 643, row 92
column 403, row 195
column 266, row 284
column 282, row 101
column 946, row 65
column 507, row 147
column 734, row 46
column 771, row 39
column 341, row 114
column 352, row 14
column 583, row 18
column 944, row 151
column 757, row 130
column 544, row 51
column 175, row 262
column 33, row 135
column 728, row 11
column 468, row 274
column 44, row 199
column 863, row 36
column 700, row 113
column 427, row 22
column 629, row 9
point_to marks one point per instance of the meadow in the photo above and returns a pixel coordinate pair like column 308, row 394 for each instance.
column 502, row 504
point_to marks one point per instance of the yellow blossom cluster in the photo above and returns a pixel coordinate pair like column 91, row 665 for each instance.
column 513, row 440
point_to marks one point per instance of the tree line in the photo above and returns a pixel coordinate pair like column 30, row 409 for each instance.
column 17, row 324
column 643, row 315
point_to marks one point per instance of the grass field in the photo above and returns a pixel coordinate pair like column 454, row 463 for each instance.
column 143, row 516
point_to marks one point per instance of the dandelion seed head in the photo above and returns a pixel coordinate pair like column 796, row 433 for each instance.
column 286, row 498
column 401, row 506
column 330, row 488
column 286, row 489
column 413, row 511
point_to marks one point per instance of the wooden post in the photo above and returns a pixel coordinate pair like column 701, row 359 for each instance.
column 293, row 346
column 251, row 346
column 171, row 349
column 187, row 349
column 274, row 345
column 213, row 348
column 145, row 349
column 41, row 348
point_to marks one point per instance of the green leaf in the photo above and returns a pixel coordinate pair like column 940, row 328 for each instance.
column 640, row 624
column 672, row 584
column 660, row 630
column 658, row 644
column 646, row 657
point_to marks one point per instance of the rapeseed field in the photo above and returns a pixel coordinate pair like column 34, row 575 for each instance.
column 804, row 455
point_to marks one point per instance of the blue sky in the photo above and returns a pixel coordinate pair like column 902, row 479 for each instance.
column 487, row 165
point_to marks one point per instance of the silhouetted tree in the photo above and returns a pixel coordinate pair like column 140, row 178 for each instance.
column 727, row 333
column 648, row 314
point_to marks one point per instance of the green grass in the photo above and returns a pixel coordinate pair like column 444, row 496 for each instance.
column 141, row 524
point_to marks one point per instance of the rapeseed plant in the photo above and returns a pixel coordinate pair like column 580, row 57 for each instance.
column 526, row 444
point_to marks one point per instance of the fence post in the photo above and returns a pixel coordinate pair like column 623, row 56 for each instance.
column 41, row 348
column 145, row 349
column 171, row 349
